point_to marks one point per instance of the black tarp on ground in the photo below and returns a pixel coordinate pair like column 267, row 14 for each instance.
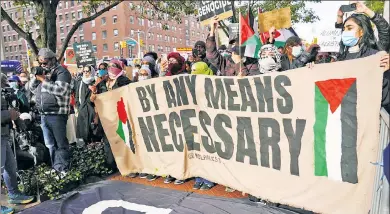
column 133, row 196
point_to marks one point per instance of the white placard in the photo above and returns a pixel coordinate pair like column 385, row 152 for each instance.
column 328, row 39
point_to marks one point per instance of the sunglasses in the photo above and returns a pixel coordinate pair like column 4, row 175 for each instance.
column 43, row 63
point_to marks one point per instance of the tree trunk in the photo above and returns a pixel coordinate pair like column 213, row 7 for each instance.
column 51, row 28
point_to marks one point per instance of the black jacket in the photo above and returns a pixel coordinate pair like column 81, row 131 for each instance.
column 121, row 81
column 299, row 62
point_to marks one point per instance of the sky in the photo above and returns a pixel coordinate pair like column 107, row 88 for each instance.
column 327, row 12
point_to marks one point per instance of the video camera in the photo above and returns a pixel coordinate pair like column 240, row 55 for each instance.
column 39, row 71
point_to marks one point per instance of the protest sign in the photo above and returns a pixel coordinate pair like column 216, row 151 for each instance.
column 279, row 19
column 70, row 57
column 329, row 40
column 208, row 9
column 84, row 54
column 305, row 142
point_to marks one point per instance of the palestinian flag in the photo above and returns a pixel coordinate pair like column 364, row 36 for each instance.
column 124, row 128
column 249, row 39
column 281, row 36
column 335, row 130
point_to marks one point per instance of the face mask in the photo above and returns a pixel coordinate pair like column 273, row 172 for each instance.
column 267, row 64
column 174, row 68
column 113, row 72
column 349, row 39
column 297, row 51
column 14, row 85
column 140, row 78
column 102, row 72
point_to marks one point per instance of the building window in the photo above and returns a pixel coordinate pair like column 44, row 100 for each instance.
column 186, row 32
column 16, row 15
column 11, row 15
column 116, row 32
column 60, row 5
column 62, row 40
column 80, row 13
column 9, row 38
column 3, row 28
column 62, row 30
column 81, row 38
column 114, row 8
column 114, row 19
column 116, row 46
column 78, row 1
column 93, row 23
column 73, row 15
column 66, row 5
column 131, row 20
column 67, row 17
column 67, row 29
column 93, row 36
column 16, row 57
column 6, row 49
column 5, row 39
column 104, row 34
column 139, row 22
column 94, row 48
column 131, row 33
column 29, row 12
column 14, row 37
column 142, row 22
column 60, row 18
column 75, row 39
column 20, row 47
column 10, row 48
column 81, row 29
column 103, row 20
column 105, row 47
column 186, row 23
column 72, row 3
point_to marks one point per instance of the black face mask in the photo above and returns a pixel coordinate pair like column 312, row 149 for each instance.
column 174, row 68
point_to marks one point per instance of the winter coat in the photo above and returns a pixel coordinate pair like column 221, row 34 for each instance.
column 86, row 111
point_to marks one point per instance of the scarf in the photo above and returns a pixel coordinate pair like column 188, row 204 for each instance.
column 272, row 62
column 201, row 68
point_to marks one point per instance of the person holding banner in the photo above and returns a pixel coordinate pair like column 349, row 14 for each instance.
column 115, row 80
column 295, row 55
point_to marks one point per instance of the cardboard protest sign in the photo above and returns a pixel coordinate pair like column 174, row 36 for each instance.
column 84, row 54
column 208, row 9
column 305, row 142
column 280, row 18
column 329, row 40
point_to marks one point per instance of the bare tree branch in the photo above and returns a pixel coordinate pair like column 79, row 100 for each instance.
column 25, row 35
column 82, row 21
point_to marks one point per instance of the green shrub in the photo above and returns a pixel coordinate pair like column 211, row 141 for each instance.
column 86, row 161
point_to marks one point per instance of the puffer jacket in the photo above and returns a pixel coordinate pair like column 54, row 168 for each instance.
column 53, row 95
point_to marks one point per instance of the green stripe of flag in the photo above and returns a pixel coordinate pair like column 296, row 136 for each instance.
column 120, row 132
column 321, row 114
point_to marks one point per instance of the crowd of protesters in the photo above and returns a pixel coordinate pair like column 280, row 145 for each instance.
column 57, row 93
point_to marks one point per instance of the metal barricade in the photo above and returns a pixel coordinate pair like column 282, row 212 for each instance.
column 380, row 199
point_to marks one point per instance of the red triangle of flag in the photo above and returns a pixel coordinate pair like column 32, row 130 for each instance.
column 334, row 90
column 246, row 31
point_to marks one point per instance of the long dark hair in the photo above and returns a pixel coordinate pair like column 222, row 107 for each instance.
column 366, row 42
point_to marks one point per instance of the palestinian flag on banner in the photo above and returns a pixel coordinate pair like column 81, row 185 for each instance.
column 249, row 39
column 335, row 130
column 124, row 128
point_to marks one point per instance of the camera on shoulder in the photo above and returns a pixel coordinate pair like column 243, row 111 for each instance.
column 39, row 71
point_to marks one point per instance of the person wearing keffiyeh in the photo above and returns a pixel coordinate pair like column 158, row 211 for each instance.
column 269, row 59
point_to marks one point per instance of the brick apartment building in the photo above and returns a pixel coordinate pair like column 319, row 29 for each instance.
column 105, row 32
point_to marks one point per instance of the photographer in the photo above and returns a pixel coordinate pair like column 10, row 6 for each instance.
column 8, row 163
column 53, row 102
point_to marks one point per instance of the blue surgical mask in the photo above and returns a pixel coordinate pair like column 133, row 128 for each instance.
column 349, row 39
column 297, row 51
column 102, row 72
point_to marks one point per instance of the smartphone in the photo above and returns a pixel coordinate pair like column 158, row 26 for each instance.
column 348, row 8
